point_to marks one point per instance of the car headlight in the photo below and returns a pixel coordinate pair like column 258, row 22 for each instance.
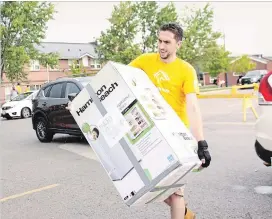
column 7, row 107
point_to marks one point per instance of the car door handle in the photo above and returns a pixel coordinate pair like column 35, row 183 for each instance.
column 44, row 104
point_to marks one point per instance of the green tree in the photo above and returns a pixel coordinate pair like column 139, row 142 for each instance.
column 145, row 18
column 14, row 60
column 23, row 25
column 147, row 14
column 77, row 68
column 199, row 38
column 130, row 21
column 117, row 42
column 217, row 61
column 49, row 59
column 242, row 64
column 164, row 15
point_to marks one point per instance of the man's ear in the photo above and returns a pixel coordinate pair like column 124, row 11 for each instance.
column 179, row 44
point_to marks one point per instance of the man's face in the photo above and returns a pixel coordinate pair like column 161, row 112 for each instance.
column 94, row 135
column 167, row 44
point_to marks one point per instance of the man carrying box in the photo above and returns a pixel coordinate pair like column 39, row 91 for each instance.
column 177, row 82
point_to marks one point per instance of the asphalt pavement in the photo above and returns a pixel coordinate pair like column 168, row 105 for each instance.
column 63, row 179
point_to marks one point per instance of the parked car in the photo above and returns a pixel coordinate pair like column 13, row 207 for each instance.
column 253, row 77
column 50, row 115
column 19, row 106
column 263, row 143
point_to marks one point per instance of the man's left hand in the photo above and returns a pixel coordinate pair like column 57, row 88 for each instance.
column 203, row 153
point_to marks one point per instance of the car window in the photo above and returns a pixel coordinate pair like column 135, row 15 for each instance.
column 32, row 96
column 56, row 90
column 71, row 88
column 21, row 96
column 253, row 73
column 44, row 92
column 29, row 97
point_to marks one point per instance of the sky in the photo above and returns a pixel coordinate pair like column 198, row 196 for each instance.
column 246, row 25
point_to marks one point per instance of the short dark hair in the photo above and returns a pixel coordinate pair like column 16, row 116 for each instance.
column 96, row 131
column 175, row 28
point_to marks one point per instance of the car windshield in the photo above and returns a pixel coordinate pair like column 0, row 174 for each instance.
column 21, row 96
column 253, row 73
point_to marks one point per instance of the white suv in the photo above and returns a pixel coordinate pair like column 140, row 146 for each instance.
column 263, row 144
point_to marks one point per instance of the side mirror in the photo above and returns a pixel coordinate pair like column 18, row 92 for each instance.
column 72, row 96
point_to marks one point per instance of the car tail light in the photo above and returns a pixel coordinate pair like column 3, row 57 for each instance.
column 265, row 90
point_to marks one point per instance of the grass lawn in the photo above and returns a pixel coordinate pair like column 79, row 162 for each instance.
column 212, row 88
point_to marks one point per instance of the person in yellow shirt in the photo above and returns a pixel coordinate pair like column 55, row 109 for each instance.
column 18, row 88
column 177, row 81
column 27, row 88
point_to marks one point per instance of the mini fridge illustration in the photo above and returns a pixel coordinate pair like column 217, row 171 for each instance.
column 138, row 121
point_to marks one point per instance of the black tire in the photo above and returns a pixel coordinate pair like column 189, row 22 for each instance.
column 262, row 153
column 42, row 132
column 25, row 112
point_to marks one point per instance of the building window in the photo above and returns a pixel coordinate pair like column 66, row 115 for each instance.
column 35, row 65
column 95, row 64
column 35, row 87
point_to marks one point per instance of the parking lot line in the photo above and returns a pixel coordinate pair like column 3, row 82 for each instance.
column 28, row 192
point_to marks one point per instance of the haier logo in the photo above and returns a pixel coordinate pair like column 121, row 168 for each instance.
column 102, row 94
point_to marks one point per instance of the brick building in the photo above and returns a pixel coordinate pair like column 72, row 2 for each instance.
column 262, row 63
column 69, row 52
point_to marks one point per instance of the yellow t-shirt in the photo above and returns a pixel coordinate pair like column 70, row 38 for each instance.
column 19, row 89
column 174, row 80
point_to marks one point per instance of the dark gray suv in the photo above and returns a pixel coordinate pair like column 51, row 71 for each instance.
column 50, row 115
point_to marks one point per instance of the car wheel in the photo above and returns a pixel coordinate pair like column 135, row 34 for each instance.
column 25, row 112
column 42, row 132
column 264, row 154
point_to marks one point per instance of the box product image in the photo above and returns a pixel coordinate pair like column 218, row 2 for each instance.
column 140, row 141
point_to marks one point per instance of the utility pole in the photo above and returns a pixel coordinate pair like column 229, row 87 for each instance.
column 226, row 74
column 48, row 78
column 224, row 38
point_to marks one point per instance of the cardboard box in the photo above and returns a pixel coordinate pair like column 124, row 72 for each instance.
column 139, row 139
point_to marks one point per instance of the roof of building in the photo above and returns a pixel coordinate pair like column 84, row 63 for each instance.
column 257, row 58
column 268, row 57
column 69, row 50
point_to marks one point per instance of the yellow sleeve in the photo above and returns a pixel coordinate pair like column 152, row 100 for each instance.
column 138, row 62
column 191, row 83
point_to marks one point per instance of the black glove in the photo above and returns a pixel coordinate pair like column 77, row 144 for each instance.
column 203, row 153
